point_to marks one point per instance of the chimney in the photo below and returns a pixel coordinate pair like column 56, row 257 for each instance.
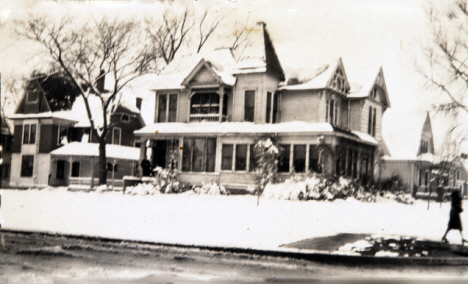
column 100, row 81
column 138, row 103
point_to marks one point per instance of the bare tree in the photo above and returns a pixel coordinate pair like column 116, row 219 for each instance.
column 445, row 66
column 206, row 28
column 241, row 33
column 169, row 33
column 89, row 51
column 11, row 91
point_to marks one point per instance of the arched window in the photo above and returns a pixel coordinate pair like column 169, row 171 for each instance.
column 204, row 103
column 125, row 118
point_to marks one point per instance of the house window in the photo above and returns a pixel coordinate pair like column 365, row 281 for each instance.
column 199, row 154
column 204, row 103
column 27, row 166
column 426, row 178
column 336, row 113
column 125, row 118
column 32, row 97
column 284, row 157
column 374, row 92
column 75, row 172
column 112, row 167
column 241, row 157
column 314, row 159
column 372, row 121
column 458, row 175
column 167, row 108
column 332, row 111
column 275, row 118
column 62, row 135
column 424, row 148
column 252, row 159
column 299, row 158
column 249, row 106
column 116, row 135
column 60, row 173
column 268, row 107
column 226, row 160
column 29, row 134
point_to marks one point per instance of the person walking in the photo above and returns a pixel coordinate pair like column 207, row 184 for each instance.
column 455, row 220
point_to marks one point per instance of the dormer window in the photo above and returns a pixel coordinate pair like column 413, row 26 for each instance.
column 424, row 148
column 374, row 92
column 32, row 97
column 125, row 118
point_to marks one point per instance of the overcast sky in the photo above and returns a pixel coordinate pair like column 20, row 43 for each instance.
column 387, row 33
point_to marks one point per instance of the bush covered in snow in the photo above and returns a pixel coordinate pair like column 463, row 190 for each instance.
column 211, row 188
column 329, row 189
column 164, row 181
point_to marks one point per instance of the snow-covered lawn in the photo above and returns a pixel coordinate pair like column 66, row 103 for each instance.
column 234, row 221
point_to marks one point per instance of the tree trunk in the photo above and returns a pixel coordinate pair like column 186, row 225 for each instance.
column 102, row 162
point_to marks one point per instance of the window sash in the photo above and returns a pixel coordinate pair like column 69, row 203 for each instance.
column 116, row 136
column 249, row 106
column 172, row 114
column 299, row 158
column 314, row 159
column 284, row 159
column 162, row 107
column 27, row 166
column 226, row 157
column 268, row 107
column 241, row 157
column 199, row 155
column 26, row 134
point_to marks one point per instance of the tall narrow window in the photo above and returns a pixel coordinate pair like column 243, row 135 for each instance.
column 187, row 155
column 198, row 158
column 116, row 136
column 369, row 122
column 252, row 160
column 299, row 153
column 27, row 165
column 374, row 121
column 249, row 107
column 32, row 137
column 275, row 107
column 283, row 163
column 332, row 111
column 314, row 159
column 268, row 107
column 62, row 135
column 210, row 154
column 172, row 117
column 336, row 113
column 326, row 111
column 75, row 169
column 226, row 159
column 241, row 157
column 162, row 106
column 26, row 134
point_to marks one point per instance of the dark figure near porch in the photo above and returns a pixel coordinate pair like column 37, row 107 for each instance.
column 455, row 220
column 146, row 167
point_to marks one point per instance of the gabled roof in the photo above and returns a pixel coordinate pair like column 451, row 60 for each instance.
column 258, row 55
column 404, row 142
column 364, row 79
column 315, row 77
column 92, row 150
column 219, row 74
column 184, row 68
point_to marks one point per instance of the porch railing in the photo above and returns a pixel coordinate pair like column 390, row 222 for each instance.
column 85, row 182
column 206, row 118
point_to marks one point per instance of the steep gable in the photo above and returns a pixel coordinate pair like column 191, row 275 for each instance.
column 202, row 74
column 338, row 80
column 364, row 84
column 33, row 102
column 426, row 144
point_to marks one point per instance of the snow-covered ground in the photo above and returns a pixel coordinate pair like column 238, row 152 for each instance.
column 234, row 221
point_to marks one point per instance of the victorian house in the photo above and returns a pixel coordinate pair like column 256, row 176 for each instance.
column 57, row 148
column 211, row 109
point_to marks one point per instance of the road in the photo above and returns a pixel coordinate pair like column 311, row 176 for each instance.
column 47, row 258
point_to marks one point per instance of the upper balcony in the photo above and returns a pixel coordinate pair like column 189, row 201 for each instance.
column 205, row 107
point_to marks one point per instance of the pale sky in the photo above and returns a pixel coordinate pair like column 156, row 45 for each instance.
column 364, row 33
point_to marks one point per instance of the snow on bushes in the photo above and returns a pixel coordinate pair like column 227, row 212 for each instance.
column 210, row 189
column 164, row 181
column 319, row 188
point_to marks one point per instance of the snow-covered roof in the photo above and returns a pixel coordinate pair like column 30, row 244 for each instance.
column 403, row 142
column 65, row 115
column 215, row 128
column 92, row 150
column 314, row 77
column 221, row 61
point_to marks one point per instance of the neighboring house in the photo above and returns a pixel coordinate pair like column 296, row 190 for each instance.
column 5, row 164
column 211, row 109
column 40, row 133
column 413, row 158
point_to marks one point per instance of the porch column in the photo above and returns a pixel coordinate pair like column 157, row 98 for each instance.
column 221, row 101
column 142, row 155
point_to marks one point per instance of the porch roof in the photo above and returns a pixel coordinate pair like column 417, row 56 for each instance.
column 215, row 128
column 92, row 150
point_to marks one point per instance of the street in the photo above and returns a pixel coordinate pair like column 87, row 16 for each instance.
column 47, row 258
